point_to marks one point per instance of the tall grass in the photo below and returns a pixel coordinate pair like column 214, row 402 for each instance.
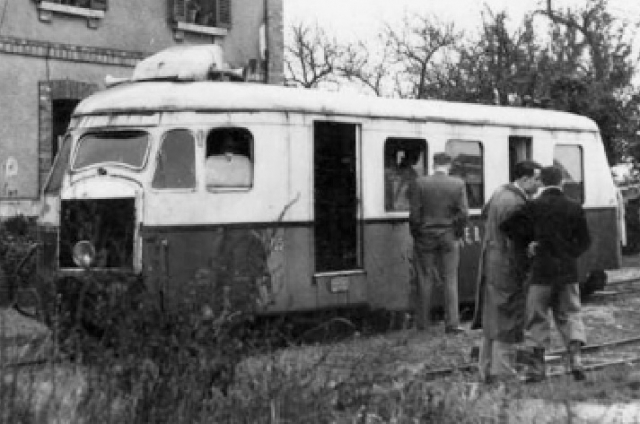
column 129, row 362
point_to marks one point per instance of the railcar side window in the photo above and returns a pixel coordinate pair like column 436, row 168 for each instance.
column 404, row 161
column 569, row 158
column 468, row 164
column 175, row 167
column 229, row 158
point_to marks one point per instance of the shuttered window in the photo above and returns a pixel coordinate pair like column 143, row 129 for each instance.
column 224, row 13
column 213, row 13
column 178, row 10
column 99, row 4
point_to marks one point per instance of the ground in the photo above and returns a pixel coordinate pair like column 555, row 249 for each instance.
column 393, row 365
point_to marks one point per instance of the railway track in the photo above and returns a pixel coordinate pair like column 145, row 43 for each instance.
column 596, row 356
column 25, row 364
column 617, row 287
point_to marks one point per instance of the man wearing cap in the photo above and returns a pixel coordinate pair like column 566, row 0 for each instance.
column 438, row 202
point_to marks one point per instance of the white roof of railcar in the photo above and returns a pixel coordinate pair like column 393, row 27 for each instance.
column 209, row 96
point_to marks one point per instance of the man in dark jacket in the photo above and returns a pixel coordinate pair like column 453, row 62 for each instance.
column 555, row 229
column 438, row 205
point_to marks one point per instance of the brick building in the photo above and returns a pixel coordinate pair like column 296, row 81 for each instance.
column 53, row 53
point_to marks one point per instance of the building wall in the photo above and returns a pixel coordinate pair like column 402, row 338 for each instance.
column 46, row 56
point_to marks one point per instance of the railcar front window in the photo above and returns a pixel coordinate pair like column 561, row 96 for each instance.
column 125, row 148
column 468, row 164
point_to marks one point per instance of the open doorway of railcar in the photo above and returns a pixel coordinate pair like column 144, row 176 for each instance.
column 337, row 233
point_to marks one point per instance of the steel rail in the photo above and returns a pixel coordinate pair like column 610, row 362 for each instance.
column 600, row 296
column 598, row 366
column 601, row 346
column 620, row 287
column 24, row 364
column 556, row 355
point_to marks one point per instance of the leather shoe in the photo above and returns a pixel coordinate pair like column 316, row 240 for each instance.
column 454, row 330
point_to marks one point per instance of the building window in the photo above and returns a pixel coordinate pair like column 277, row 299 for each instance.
column 93, row 10
column 57, row 99
column 88, row 4
column 175, row 167
column 229, row 159
column 61, row 116
column 570, row 160
column 208, row 13
column 404, row 161
column 468, row 164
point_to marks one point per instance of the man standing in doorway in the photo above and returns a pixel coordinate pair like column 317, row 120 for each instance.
column 500, row 294
column 438, row 203
column 555, row 230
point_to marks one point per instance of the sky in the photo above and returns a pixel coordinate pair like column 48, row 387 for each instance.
column 360, row 19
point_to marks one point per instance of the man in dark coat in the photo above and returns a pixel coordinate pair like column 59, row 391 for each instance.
column 556, row 231
column 438, row 204
column 500, row 295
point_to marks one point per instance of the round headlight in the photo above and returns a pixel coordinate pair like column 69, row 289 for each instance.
column 84, row 254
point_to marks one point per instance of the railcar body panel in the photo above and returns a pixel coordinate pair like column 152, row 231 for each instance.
column 605, row 242
column 321, row 222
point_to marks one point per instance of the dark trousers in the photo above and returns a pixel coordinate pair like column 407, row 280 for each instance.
column 436, row 258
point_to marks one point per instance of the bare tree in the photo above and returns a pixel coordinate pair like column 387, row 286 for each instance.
column 369, row 66
column 509, row 58
column 415, row 47
column 311, row 57
column 595, row 42
column 592, row 56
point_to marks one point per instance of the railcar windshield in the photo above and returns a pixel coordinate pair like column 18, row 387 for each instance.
column 125, row 148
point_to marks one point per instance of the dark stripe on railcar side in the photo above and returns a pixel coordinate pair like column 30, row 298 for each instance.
column 605, row 252
column 273, row 262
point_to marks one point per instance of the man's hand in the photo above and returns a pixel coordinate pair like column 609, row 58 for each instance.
column 531, row 249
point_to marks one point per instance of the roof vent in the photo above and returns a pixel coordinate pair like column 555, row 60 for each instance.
column 186, row 63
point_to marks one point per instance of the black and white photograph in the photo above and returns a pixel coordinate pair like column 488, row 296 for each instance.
column 332, row 212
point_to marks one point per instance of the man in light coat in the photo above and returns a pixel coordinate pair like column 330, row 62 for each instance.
column 500, row 294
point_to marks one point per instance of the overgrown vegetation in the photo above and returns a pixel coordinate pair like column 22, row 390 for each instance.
column 116, row 357
column 129, row 362
column 16, row 237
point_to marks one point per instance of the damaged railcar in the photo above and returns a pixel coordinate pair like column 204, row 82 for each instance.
column 278, row 199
